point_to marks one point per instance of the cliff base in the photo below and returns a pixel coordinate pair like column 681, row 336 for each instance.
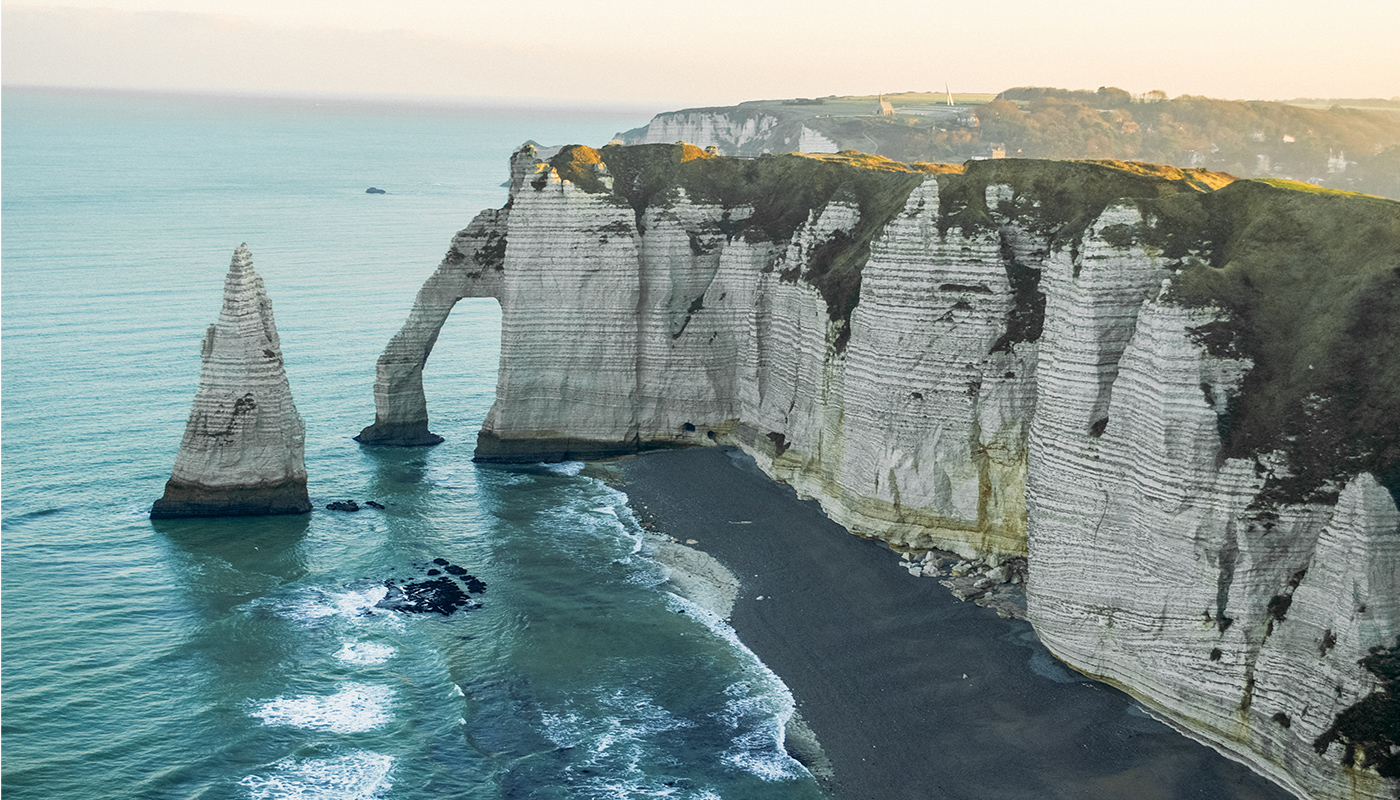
column 399, row 434
column 183, row 500
column 491, row 448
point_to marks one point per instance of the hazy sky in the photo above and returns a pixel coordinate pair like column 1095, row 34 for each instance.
column 666, row 54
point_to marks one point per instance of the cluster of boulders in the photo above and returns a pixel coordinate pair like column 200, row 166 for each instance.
column 439, row 593
column 988, row 583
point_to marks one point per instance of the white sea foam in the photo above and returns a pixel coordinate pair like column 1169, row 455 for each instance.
column 365, row 653
column 354, row 708
column 446, row 478
column 757, row 710
column 315, row 604
column 614, row 739
column 360, row 775
column 565, row 467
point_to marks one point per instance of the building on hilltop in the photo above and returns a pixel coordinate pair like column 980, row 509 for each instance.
column 885, row 109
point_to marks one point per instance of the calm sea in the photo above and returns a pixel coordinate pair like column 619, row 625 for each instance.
column 245, row 658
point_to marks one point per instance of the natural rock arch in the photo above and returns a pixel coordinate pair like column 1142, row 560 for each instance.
column 473, row 267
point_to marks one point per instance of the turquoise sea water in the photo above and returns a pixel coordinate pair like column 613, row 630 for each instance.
column 244, row 658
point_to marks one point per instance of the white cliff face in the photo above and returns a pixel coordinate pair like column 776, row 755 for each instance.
column 810, row 141
column 1150, row 569
column 732, row 133
column 1001, row 388
column 472, row 268
column 242, row 452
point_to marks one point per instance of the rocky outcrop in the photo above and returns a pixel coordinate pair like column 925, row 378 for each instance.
column 1172, row 393
column 241, row 454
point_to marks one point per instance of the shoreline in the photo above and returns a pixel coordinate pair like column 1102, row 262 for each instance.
column 901, row 690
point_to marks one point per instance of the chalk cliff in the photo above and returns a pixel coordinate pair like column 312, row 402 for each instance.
column 1174, row 393
column 242, row 449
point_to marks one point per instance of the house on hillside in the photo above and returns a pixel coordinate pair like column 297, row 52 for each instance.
column 885, row 109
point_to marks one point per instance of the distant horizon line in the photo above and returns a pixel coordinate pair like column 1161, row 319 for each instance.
column 361, row 99
column 488, row 103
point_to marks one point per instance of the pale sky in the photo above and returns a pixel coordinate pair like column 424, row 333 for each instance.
column 668, row 55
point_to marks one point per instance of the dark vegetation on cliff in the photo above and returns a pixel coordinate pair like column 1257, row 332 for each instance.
column 1308, row 282
column 1372, row 726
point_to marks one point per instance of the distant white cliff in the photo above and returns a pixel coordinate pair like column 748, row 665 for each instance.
column 242, row 452
column 1169, row 391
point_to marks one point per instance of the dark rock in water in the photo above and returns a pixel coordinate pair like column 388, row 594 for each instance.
column 374, row 190
column 374, row 505
column 395, row 434
column 349, row 505
column 440, row 595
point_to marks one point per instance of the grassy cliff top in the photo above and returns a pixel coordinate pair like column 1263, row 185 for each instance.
column 1308, row 279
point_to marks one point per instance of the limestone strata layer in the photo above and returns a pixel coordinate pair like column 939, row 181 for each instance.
column 1011, row 359
column 242, row 452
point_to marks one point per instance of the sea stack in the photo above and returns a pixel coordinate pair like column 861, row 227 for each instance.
column 242, row 453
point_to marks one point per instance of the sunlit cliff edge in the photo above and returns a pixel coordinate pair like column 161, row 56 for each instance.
column 1174, row 392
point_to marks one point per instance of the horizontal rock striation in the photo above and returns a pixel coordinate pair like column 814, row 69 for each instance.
column 242, row 452
column 1174, row 393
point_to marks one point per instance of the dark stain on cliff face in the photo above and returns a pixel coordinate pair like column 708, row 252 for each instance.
column 696, row 306
column 1229, row 554
column 1026, row 319
column 780, row 443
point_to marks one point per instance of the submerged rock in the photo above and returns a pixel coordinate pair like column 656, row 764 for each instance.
column 348, row 505
column 375, row 190
column 242, row 453
column 436, row 595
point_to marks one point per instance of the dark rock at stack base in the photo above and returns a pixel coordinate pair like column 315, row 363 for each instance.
column 199, row 501
column 242, row 453
column 399, row 434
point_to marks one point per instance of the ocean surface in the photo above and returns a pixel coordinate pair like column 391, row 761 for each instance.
column 245, row 658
